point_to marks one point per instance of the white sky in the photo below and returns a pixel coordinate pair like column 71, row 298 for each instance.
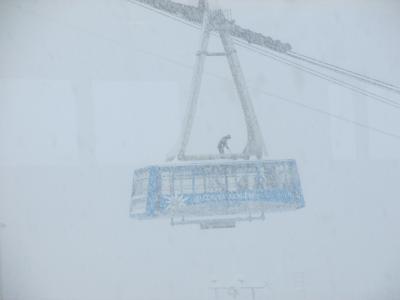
column 90, row 90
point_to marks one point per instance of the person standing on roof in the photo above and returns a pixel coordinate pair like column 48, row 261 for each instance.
column 223, row 144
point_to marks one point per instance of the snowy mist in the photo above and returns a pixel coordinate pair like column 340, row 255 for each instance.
column 90, row 91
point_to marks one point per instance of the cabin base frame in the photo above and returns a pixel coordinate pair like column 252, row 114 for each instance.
column 216, row 223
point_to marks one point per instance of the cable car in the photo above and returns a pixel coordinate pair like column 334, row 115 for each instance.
column 217, row 190
column 223, row 192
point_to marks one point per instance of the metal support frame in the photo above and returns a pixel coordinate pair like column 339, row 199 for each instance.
column 212, row 53
column 214, row 223
column 255, row 147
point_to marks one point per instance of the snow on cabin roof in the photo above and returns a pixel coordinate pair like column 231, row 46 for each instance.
column 207, row 163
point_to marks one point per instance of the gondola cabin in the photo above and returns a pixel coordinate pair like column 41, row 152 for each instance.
column 223, row 192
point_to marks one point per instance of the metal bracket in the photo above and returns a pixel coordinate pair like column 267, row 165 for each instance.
column 211, row 53
column 216, row 223
column 255, row 144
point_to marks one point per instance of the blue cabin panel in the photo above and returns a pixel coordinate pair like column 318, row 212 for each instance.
column 216, row 188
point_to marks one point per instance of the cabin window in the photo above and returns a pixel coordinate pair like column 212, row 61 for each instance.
column 166, row 183
column 271, row 180
column 141, row 184
column 177, row 184
column 243, row 183
column 286, row 176
column 260, row 182
column 282, row 176
column 183, row 184
column 215, row 184
column 232, row 186
column 199, row 185
column 187, row 185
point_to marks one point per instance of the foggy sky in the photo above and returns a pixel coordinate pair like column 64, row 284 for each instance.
column 91, row 90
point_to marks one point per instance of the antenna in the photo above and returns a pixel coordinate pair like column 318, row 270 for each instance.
column 234, row 290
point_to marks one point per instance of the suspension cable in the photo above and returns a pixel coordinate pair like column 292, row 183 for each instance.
column 318, row 74
column 344, row 71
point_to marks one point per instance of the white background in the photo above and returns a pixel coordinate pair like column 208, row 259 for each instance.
column 90, row 90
